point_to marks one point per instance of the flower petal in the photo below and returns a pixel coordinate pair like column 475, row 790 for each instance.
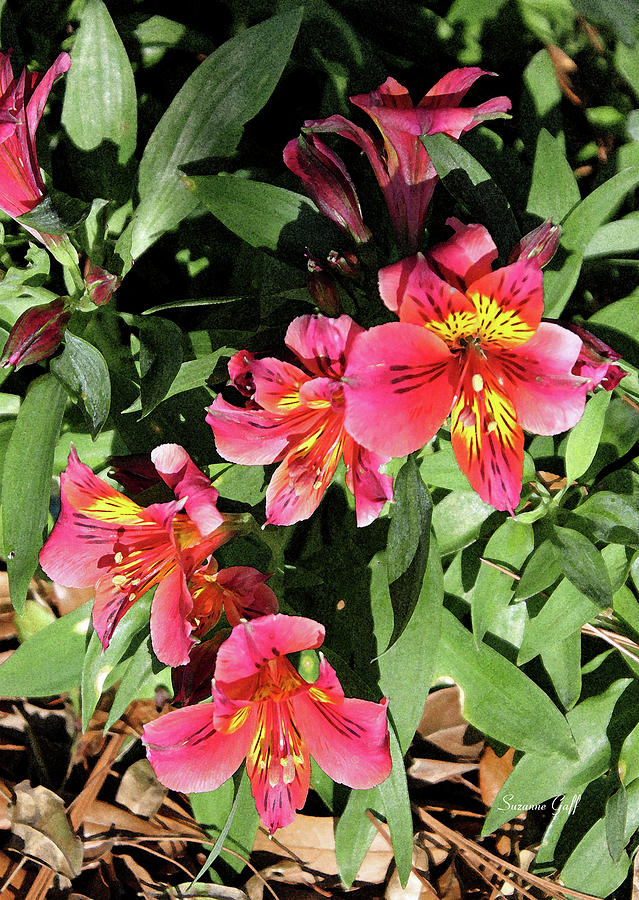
column 399, row 385
column 277, row 385
column 547, row 397
column 299, row 483
column 248, row 436
column 39, row 96
column 278, row 766
column 509, row 304
column 464, row 257
column 246, row 596
column 187, row 482
column 170, row 626
column 370, row 488
column 348, row 739
column 420, row 297
column 487, row 439
column 253, row 643
column 321, row 343
column 188, row 754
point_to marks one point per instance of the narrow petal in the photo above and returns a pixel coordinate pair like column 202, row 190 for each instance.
column 370, row 488
column 299, row 483
column 509, row 304
column 453, row 87
column 399, row 385
column 420, row 297
column 188, row 754
column 348, row 739
column 187, row 482
column 487, row 439
column 248, row 436
column 38, row 99
column 547, row 397
column 321, row 343
column 277, row 385
column 253, row 643
column 464, row 257
column 170, row 626
column 345, row 128
column 278, row 765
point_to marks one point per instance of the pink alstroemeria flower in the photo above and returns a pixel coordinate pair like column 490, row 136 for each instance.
column 22, row 103
column 469, row 343
column 239, row 589
column 263, row 710
column 402, row 167
column 296, row 417
column 103, row 538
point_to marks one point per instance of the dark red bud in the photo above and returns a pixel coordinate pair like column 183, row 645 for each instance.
column 37, row 334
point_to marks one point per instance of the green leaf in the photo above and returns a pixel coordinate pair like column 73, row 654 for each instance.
column 192, row 374
column 457, row 520
column 590, row 866
column 29, row 671
column 537, row 777
column 84, row 373
column 613, row 517
column 265, row 216
column 394, row 794
column 143, row 665
column 622, row 16
column 583, row 439
column 468, row 181
column 407, row 546
column 160, row 359
column 563, row 613
column 100, row 105
column 99, row 664
column 498, row 698
column 354, row 833
column 407, row 669
column 441, row 469
column 206, row 119
column 583, row 222
column 56, row 213
column 212, row 809
column 560, row 283
column 581, row 563
column 614, row 238
column 509, row 547
column 615, row 821
column 542, row 570
column 553, row 190
column 26, row 481
column 562, row 661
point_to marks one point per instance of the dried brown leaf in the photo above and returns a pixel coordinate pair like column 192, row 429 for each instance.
column 39, row 821
column 443, row 724
column 434, row 771
column 310, row 840
column 493, row 772
column 140, row 791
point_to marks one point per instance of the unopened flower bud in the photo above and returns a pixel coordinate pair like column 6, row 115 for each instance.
column 323, row 290
column 596, row 361
column 327, row 183
column 37, row 334
column 100, row 284
column 540, row 244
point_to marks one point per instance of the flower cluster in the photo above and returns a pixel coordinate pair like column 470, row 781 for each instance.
column 458, row 340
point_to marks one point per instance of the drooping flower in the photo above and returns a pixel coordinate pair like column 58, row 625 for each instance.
column 402, row 166
column 240, row 590
column 295, row 416
column 263, row 710
column 596, row 361
column 327, row 183
column 103, row 538
column 469, row 343
column 22, row 103
column 36, row 334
